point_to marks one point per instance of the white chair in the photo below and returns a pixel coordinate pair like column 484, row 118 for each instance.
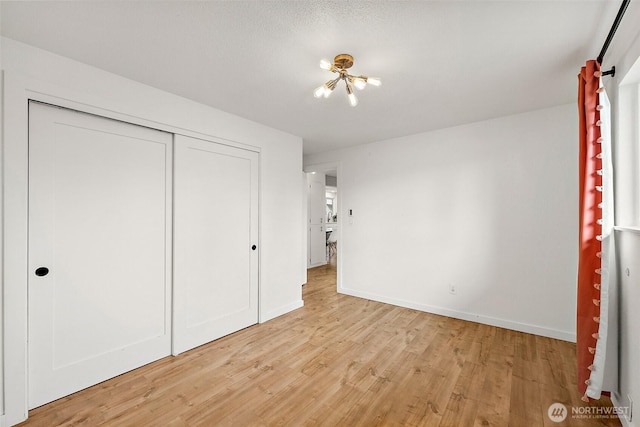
column 332, row 242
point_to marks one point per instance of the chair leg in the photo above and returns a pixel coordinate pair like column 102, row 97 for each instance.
column 332, row 246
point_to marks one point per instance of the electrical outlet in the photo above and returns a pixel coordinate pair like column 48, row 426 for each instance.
column 452, row 289
column 630, row 414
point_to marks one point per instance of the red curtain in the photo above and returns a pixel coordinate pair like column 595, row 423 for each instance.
column 590, row 249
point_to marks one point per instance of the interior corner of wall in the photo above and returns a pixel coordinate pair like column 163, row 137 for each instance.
column 2, row 423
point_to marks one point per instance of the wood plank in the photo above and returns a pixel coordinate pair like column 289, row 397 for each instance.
column 341, row 360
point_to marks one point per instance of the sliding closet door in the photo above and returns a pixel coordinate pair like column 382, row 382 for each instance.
column 216, row 238
column 99, row 249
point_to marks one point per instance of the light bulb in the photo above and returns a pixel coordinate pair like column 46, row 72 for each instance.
column 320, row 91
column 374, row 81
column 352, row 97
column 325, row 65
column 359, row 82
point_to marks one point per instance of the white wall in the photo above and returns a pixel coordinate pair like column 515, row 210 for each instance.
column 490, row 208
column 624, row 91
column 1, row 237
column 37, row 74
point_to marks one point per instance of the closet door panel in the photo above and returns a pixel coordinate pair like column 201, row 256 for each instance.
column 99, row 249
column 216, row 221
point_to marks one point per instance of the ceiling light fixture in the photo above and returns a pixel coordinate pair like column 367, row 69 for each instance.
column 340, row 65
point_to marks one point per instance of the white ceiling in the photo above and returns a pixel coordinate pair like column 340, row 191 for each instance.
column 442, row 63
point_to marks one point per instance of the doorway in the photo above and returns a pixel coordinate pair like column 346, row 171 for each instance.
column 333, row 213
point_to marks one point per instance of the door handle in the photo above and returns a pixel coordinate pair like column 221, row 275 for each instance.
column 253, row 248
column 42, row 271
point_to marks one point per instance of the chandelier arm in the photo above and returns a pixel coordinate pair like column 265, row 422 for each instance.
column 331, row 84
column 352, row 97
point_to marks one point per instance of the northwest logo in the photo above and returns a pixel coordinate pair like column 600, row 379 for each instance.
column 557, row 412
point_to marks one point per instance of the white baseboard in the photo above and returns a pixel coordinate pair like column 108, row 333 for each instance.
column 472, row 317
column 316, row 265
column 281, row 310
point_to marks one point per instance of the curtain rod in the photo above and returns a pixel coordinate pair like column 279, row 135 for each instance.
column 612, row 31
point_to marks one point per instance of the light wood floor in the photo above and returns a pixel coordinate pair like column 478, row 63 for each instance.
column 342, row 361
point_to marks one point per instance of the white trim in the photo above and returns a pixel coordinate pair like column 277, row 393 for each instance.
column 627, row 229
column 14, row 201
column 471, row 317
column 319, row 264
column 281, row 310
column 67, row 98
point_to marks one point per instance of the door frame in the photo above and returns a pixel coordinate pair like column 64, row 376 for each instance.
column 323, row 168
column 18, row 90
